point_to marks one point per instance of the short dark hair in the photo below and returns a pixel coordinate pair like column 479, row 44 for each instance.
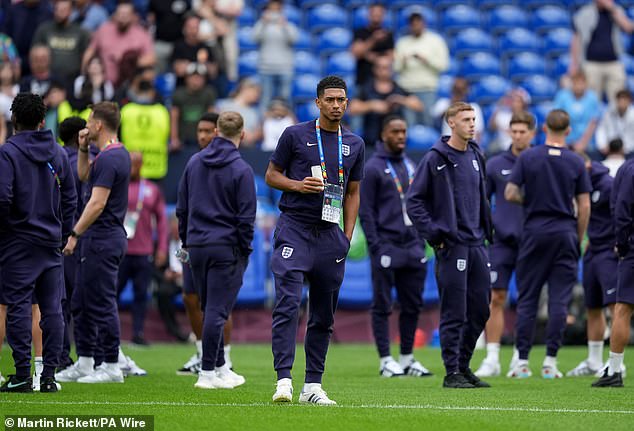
column 624, row 93
column 108, row 113
column 392, row 117
column 210, row 117
column 615, row 146
column 331, row 81
column 524, row 117
column 29, row 110
column 69, row 129
column 415, row 16
column 557, row 120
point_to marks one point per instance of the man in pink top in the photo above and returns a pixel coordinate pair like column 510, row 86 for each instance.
column 146, row 209
column 120, row 35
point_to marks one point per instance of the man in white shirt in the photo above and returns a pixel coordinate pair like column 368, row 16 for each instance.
column 617, row 122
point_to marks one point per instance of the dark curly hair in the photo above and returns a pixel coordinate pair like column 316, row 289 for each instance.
column 331, row 81
column 28, row 110
column 69, row 129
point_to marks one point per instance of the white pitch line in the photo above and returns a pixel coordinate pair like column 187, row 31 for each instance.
column 340, row 406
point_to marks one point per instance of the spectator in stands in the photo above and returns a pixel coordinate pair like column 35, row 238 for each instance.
column 189, row 102
column 515, row 101
column 116, row 37
column 615, row 157
column 379, row 97
column 459, row 92
column 371, row 42
column 583, row 107
column 617, row 122
column 213, row 30
column 275, row 36
column 168, row 17
column 8, row 90
column 41, row 77
column 276, row 119
column 89, row 14
column 191, row 50
column 228, row 11
column 244, row 100
column 419, row 59
column 596, row 46
column 9, row 54
column 91, row 87
column 66, row 40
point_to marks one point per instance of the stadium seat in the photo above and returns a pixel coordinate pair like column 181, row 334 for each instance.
column 354, row 4
column 525, row 64
column 307, row 4
column 441, row 5
column 507, row 17
column 557, row 41
column 548, row 17
column 248, row 64
column 306, row 62
column 253, row 292
column 421, row 137
column 399, row 4
column 360, row 18
column 535, row 4
column 541, row 110
column 304, row 40
column 326, row 16
column 491, row 4
column 293, row 14
column 456, row 18
column 334, row 40
column 489, row 89
column 540, row 87
column 518, row 40
column 356, row 289
column 307, row 111
column 628, row 62
column 560, row 65
column 479, row 64
column 470, row 40
column 248, row 17
column 444, row 86
column 304, row 86
column 261, row 188
column 430, row 291
column 402, row 17
column 341, row 64
column 245, row 39
column 165, row 85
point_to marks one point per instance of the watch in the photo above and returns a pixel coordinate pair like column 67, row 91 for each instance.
column 74, row 234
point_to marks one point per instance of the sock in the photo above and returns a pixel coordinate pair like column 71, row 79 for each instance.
column 39, row 365
column 384, row 360
column 595, row 354
column 405, row 360
column 112, row 367
column 208, row 373
column 122, row 359
column 309, row 387
column 199, row 348
column 86, row 364
column 227, row 348
column 550, row 361
column 615, row 362
column 493, row 353
column 522, row 363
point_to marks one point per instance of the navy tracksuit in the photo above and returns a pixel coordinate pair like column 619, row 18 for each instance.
column 600, row 262
column 217, row 229
column 622, row 204
column 448, row 205
column 549, row 248
column 397, row 253
column 37, row 204
column 508, row 219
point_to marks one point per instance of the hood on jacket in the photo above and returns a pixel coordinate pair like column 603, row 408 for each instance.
column 442, row 146
column 38, row 145
column 220, row 152
column 382, row 152
column 597, row 171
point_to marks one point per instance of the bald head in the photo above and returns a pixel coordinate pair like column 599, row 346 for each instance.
column 231, row 126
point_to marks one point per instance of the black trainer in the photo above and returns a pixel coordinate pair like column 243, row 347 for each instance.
column 456, row 381
column 475, row 380
column 613, row 381
column 17, row 384
column 48, row 384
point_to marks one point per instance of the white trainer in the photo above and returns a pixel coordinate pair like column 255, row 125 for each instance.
column 605, row 367
column 550, row 372
column 489, row 369
column 210, row 380
column 314, row 394
column 391, row 368
column 416, row 369
column 191, row 367
column 520, row 371
column 283, row 391
column 130, row 368
column 228, row 375
column 583, row 369
column 103, row 374
column 71, row 373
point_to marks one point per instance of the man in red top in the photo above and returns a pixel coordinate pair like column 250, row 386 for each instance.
column 145, row 204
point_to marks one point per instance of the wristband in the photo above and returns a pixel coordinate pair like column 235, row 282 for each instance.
column 74, row 234
column 83, row 150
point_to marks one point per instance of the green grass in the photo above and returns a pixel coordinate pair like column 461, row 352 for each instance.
column 365, row 401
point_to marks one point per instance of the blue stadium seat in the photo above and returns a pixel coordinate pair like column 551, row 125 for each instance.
column 557, row 41
column 518, row 40
column 541, row 88
column 304, row 40
column 456, row 18
column 489, row 89
column 293, row 14
column 479, row 64
column 541, row 110
column 306, row 62
column 402, row 17
column 248, row 17
column 399, row 4
column 506, row 17
column 304, row 86
column 560, row 65
column 630, row 83
column 341, row 64
column 262, row 190
column 628, row 62
column 253, row 292
column 441, row 5
column 525, row 64
column 334, row 40
column 430, row 292
column 421, row 137
column 548, row 17
column 326, row 16
column 354, row 4
column 491, row 4
column 248, row 64
column 356, row 290
column 165, row 85
column 307, row 4
column 535, row 4
column 307, row 111
column 444, row 86
column 470, row 40
column 360, row 18
column 245, row 39
column 454, row 67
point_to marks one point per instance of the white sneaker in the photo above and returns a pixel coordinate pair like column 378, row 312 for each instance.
column 416, row 369
column 71, row 373
column 549, row 372
column 103, row 374
column 391, row 368
column 583, row 369
column 130, row 368
column 314, row 394
column 228, row 375
column 210, row 380
column 192, row 366
column 489, row 369
column 283, row 391
column 605, row 367
column 520, row 371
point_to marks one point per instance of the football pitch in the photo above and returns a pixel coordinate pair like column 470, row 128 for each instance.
column 365, row 401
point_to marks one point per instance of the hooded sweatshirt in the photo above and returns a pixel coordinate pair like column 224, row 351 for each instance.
column 38, row 197
column 216, row 199
column 508, row 217
column 600, row 227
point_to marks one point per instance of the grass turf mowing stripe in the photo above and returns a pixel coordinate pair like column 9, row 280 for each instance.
column 340, row 406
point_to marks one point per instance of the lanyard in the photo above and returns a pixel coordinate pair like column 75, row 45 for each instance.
column 54, row 172
column 139, row 201
column 397, row 181
column 322, row 159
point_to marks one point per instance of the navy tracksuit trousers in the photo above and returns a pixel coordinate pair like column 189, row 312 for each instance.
column 70, row 281
column 139, row 269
